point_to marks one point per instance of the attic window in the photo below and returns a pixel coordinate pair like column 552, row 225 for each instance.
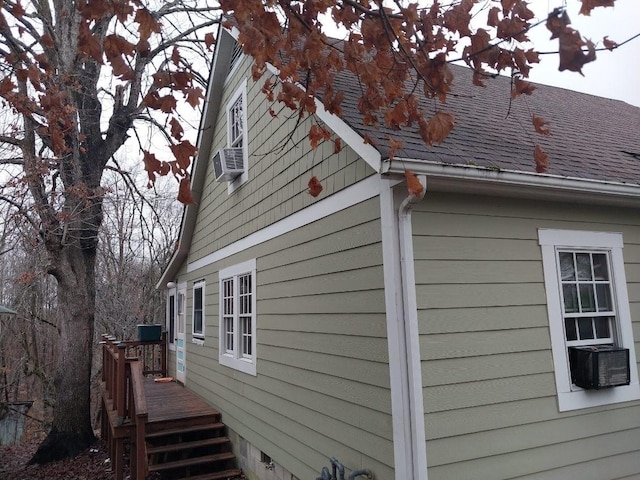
column 235, row 56
column 237, row 131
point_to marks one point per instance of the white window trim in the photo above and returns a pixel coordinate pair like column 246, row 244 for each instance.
column 241, row 91
column 233, row 360
column 571, row 397
column 198, row 337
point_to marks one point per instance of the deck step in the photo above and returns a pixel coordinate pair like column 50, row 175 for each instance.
column 190, row 462
column 179, row 430
column 174, row 447
column 224, row 475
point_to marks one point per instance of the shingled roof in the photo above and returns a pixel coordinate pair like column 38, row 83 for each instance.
column 592, row 137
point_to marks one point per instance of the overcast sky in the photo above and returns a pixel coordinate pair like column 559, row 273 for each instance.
column 614, row 74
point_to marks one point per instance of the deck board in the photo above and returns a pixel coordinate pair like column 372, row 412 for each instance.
column 171, row 401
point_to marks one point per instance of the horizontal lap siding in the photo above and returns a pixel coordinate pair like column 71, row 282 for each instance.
column 488, row 381
column 281, row 163
column 322, row 385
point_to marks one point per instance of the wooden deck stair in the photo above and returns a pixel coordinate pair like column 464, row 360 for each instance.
column 171, row 433
column 199, row 451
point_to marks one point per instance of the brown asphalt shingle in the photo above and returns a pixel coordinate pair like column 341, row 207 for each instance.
column 590, row 134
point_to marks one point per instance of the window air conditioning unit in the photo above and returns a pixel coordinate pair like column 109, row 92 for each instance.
column 601, row 366
column 228, row 163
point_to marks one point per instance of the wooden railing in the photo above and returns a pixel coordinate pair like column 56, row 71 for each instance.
column 124, row 366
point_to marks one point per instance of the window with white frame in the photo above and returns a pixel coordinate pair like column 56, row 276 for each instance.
column 237, row 131
column 587, row 304
column 197, row 328
column 238, row 317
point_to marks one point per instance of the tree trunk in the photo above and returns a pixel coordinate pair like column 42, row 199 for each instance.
column 71, row 431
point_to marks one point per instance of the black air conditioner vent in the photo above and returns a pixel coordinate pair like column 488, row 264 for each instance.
column 601, row 366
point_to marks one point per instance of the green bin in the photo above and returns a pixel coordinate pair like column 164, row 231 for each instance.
column 149, row 333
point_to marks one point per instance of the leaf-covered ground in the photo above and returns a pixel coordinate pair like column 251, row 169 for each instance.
column 93, row 464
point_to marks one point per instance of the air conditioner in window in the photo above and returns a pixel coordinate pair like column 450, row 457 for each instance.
column 228, row 163
column 601, row 366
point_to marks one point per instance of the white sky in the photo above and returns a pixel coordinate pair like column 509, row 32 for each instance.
column 614, row 74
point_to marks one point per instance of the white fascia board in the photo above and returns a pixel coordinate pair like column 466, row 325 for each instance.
column 523, row 184
column 353, row 139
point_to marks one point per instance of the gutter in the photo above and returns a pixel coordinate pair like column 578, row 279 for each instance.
column 474, row 179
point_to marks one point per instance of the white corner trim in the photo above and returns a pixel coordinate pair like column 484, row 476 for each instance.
column 571, row 397
column 405, row 370
column 400, row 410
column 348, row 197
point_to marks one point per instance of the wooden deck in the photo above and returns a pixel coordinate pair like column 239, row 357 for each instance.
column 169, row 429
column 170, row 403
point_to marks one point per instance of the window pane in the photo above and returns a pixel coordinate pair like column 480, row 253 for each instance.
column 570, row 294
column 236, row 121
column 567, row 270
column 600, row 268
column 197, row 298
column 570, row 328
column 603, row 293
column 246, row 336
column 197, row 321
column 602, row 327
column 585, row 328
column 228, row 327
column 583, row 262
column 587, row 298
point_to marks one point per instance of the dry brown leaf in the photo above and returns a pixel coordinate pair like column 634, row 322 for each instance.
column 541, row 159
column 315, row 187
column 414, row 185
column 540, row 124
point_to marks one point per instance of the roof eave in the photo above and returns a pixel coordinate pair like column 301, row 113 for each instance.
column 512, row 183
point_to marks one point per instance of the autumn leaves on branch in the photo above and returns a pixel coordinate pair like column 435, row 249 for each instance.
column 400, row 53
column 67, row 63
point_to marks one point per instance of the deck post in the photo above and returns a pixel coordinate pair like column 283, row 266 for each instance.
column 141, row 451
column 121, row 383
column 118, row 460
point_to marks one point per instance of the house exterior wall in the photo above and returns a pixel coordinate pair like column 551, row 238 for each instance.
column 281, row 163
column 322, row 384
column 321, row 387
column 491, row 410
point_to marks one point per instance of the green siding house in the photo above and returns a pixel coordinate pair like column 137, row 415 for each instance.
column 438, row 337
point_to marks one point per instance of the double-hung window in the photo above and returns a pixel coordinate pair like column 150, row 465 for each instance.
column 198, row 310
column 588, row 305
column 589, row 311
column 238, row 317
